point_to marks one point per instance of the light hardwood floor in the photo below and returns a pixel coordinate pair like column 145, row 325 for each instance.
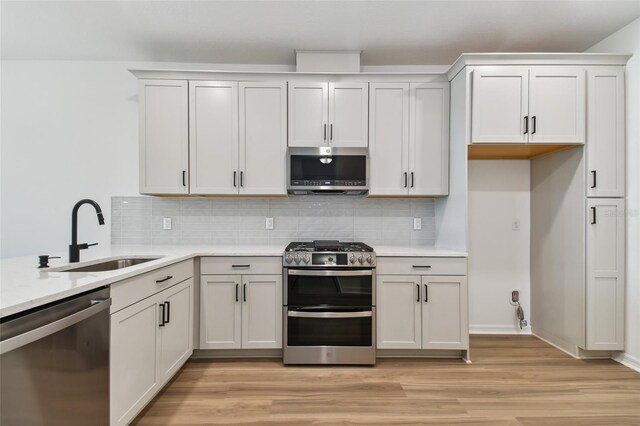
column 514, row 380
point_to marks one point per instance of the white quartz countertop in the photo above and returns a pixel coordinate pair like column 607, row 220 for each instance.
column 23, row 286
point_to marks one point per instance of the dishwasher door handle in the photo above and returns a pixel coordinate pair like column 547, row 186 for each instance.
column 20, row 340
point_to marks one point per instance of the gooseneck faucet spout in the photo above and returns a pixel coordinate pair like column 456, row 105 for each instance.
column 74, row 248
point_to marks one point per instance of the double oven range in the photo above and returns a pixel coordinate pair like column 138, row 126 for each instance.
column 329, row 309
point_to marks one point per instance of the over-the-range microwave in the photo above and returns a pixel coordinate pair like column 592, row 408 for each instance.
column 328, row 170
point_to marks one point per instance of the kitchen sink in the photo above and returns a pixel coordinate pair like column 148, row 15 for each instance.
column 109, row 265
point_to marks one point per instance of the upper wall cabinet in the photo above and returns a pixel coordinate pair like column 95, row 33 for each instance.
column 539, row 104
column 164, row 152
column 237, row 137
column 605, row 132
column 328, row 114
column 409, row 135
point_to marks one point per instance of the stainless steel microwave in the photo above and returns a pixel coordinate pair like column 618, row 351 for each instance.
column 328, row 170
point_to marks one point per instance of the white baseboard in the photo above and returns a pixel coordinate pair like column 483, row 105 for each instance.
column 498, row 329
column 629, row 361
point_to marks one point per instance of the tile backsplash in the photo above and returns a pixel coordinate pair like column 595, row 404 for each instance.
column 139, row 220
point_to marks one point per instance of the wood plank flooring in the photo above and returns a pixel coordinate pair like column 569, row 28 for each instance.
column 514, row 380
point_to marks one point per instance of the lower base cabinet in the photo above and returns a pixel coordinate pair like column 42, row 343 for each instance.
column 150, row 341
column 422, row 312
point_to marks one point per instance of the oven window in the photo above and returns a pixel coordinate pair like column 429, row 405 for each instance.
column 329, row 331
column 342, row 167
column 304, row 290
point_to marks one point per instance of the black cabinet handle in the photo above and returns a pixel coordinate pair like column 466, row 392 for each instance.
column 184, row 178
column 426, row 293
column 241, row 179
column 237, row 285
column 526, row 124
column 241, row 266
column 168, row 310
column 422, row 266
column 405, row 179
column 161, row 306
column 167, row 278
column 325, row 132
column 534, row 124
column 244, row 292
column 235, row 175
column 412, row 179
column 593, row 218
column 593, row 173
column 331, row 132
column 418, row 287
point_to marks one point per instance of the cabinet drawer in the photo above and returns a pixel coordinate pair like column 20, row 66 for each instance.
column 422, row 265
column 268, row 265
column 132, row 290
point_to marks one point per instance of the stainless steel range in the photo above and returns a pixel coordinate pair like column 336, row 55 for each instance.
column 329, row 312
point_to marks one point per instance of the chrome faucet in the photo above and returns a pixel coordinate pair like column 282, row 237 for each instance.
column 74, row 248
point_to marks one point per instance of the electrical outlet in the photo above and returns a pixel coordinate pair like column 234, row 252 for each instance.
column 166, row 223
column 516, row 225
column 515, row 296
column 268, row 223
column 417, row 223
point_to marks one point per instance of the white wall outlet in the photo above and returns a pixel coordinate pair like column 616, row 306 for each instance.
column 166, row 223
column 268, row 224
column 417, row 223
column 515, row 226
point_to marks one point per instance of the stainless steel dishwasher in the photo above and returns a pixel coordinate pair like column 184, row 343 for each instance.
column 54, row 363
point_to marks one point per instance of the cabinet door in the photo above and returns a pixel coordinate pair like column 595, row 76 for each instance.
column 557, row 105
column 444, row 313
column 605, row 274
column 164, row 132
column 308, row 114
column 263, row 138
column 220, row 312
column 348, row 114
column 134, row 369
column 398, row 316
column 213, row 137
column 429, row 139
column 499, row 105
column 262, row 311
column 605, row 132
column 389, row 138
column 176, row 336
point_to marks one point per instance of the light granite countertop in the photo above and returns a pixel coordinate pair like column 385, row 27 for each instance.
column 23, row 286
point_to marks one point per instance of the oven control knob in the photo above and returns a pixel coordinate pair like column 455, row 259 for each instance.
column 369, row 259
column 306, row 258
column 288, row 258
column 352, row 259
column 296, row 258
column 361, row 259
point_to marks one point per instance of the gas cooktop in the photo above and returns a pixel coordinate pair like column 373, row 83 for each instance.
column 329, row 253
column 328, row 245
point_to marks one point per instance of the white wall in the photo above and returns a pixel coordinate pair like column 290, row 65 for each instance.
column 627, row 40
column 499, row 193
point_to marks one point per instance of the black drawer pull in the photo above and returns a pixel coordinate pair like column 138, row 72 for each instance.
column 426, row 293
column 593, row 172
column 244, row 292
column 162, row 315
column 237, row 291
column 164, row 279
column 418, row 287
column 594, row 219
column 422, row 266
column 168, row 305
column 241, row 266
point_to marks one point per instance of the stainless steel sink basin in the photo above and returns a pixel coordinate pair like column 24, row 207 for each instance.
column 109, row 265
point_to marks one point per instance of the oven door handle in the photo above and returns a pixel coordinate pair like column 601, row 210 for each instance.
column 332, row 273
column 300, row 314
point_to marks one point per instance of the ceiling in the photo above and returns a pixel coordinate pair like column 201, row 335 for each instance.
column 268, row 32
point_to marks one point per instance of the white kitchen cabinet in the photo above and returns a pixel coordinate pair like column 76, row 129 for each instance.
column 409, row 139
column 538, row 104
column 261, row 311
column 164, row 130
column 220, row 312
column 150, row 341
column 263, row 138
column 389, row 138
column 444, row 312
column 328, row 114
column 429, row 139
column 605, row 132
column 557, row 105
column 499, row 104
column 241, row 312
column 398, row 312
column 422, row 312
column 605, row 248
column 348, row 114
column 213, row 137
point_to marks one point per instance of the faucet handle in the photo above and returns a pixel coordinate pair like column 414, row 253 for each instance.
column 92, row 244
column 85, row 246
column 44, row 260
